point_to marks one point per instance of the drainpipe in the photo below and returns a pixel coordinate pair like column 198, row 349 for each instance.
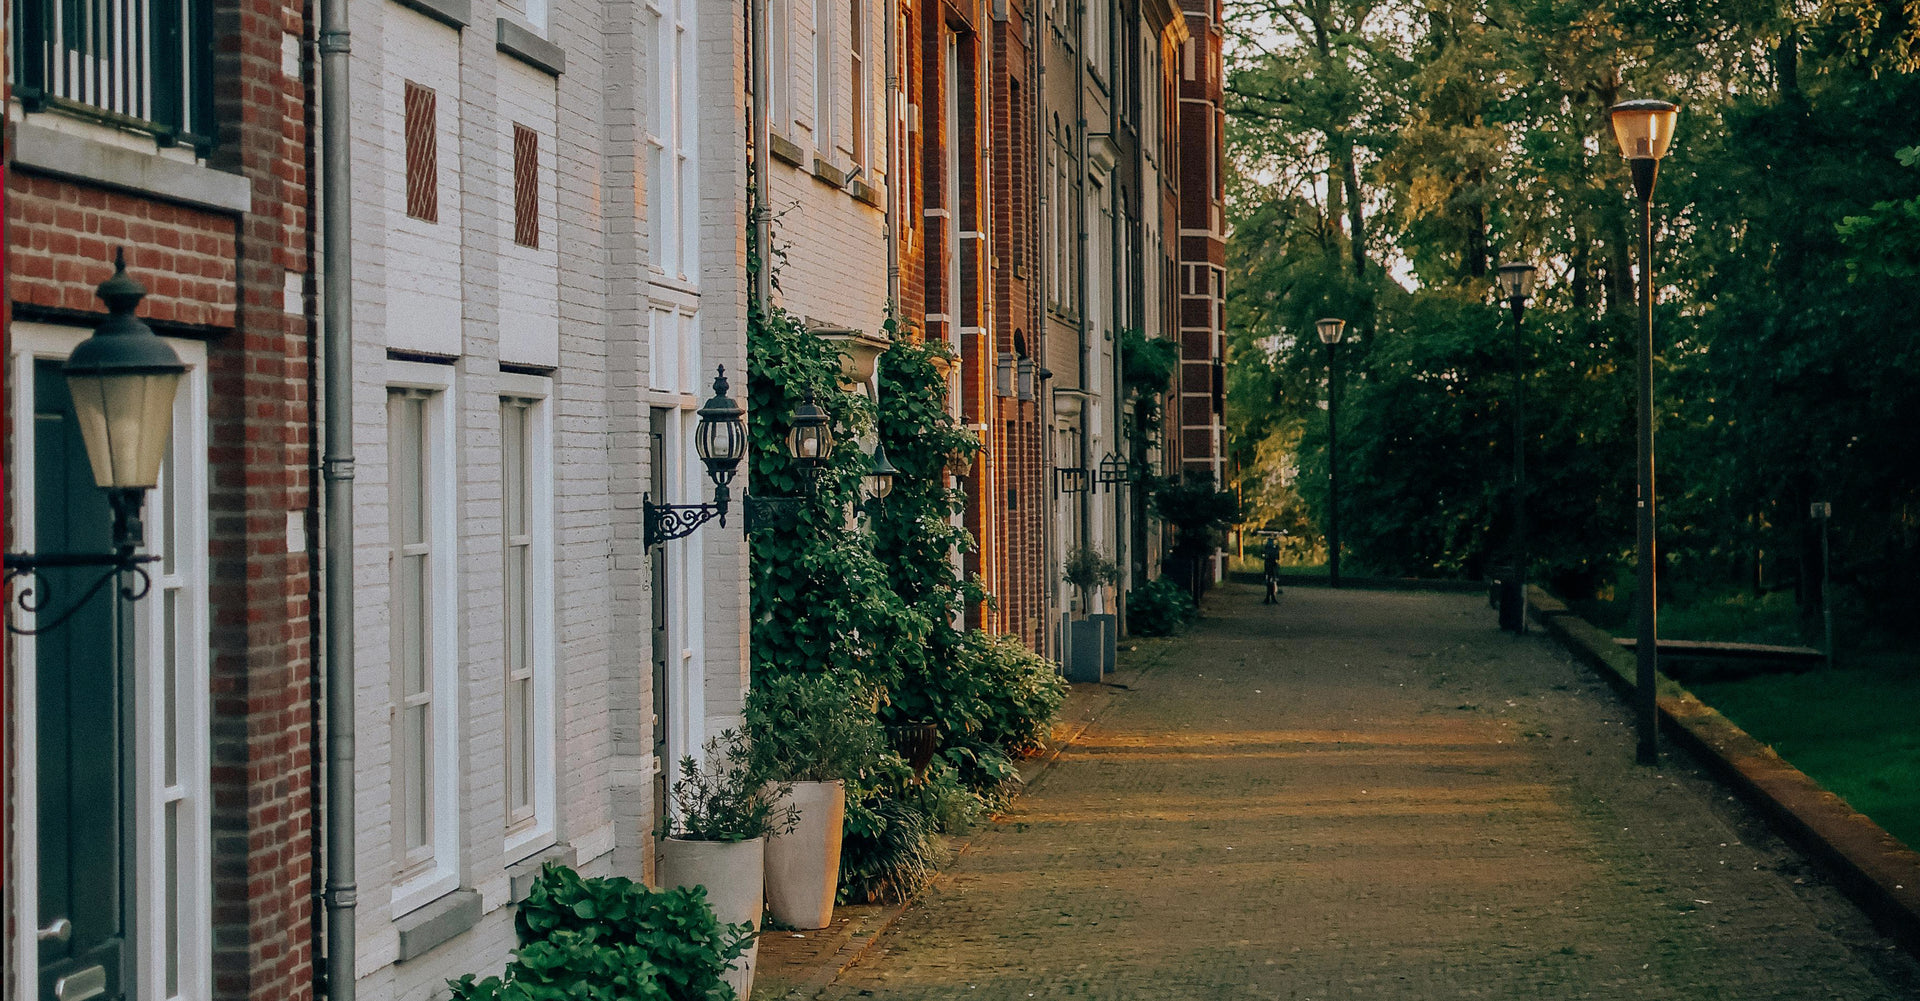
column 1087, row 348
column 336, row 334
column 761, row 124
column 896, row 171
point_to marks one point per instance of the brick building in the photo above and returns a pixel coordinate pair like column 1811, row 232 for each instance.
column 533, row 352
column 1203, row 247
column 160, row 771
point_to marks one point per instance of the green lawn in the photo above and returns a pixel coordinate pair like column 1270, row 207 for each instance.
column 1855, row 731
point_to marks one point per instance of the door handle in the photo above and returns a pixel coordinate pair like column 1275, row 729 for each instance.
column 58, row 930
column 81, row 985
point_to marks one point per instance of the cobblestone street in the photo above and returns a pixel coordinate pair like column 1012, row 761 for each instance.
column 1373, row 795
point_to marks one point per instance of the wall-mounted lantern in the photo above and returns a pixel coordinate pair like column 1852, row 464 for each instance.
column 1113, row 472
column 880, row 476
column 122, row 380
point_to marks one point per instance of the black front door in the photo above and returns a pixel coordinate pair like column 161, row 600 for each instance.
column 662, row 641
column 81, row 671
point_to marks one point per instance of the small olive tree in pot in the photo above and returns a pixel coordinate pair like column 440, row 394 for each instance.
column 718, row 820
column 811, row 732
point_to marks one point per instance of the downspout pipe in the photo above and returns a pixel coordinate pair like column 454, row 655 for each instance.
column 896, row 171
column 762, row 127
column 336, row 333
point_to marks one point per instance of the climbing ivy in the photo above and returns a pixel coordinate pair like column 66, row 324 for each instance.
column 821, row 599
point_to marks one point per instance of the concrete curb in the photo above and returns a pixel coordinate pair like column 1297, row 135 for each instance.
column 1879, row 873
column 851, row 940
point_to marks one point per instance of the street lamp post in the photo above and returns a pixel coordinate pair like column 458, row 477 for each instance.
column 1331, row 329
column 1644, row 130
column 1516, row 286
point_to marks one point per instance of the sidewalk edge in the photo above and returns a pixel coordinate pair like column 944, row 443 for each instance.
column 1879, row 873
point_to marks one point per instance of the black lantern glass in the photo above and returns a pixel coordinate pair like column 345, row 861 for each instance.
column 721, row 438
column 123, row 380
column 1516, row 281
column 879, row 478
column 810, row 440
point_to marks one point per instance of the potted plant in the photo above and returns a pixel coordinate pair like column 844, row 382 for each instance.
column 719, row 816
column 1088, row 568
column 811, row 732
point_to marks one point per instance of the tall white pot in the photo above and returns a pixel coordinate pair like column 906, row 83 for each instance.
column 803, row 865
column 732, row 872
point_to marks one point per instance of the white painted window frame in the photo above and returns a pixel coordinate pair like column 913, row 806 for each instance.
column 825, row 79
column 531, row 834
column 420, row 883
column 672, row 138
column 859, row 83
column 780, row 65
column 187, row 576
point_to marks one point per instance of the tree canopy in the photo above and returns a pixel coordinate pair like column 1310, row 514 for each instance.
column 1389, row 156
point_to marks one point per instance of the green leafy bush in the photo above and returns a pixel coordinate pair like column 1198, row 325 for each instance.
column 821, row 599
column 891, row 850
column 724, row 797
column 1159, row 608
column 612, row 940
column 1021, row 692
column 812, row 727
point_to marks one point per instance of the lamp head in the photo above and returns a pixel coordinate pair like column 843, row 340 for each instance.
column 123, row 380
column 721, row 439
column 879, row 478
column 1516, row 281
column 1644, row 128
column 810, row 439
column 1331, row 329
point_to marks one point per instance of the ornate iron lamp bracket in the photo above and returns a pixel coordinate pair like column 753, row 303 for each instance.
column 667, row 522
column 38, row 596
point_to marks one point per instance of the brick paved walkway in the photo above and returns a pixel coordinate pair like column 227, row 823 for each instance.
column 1373, row 795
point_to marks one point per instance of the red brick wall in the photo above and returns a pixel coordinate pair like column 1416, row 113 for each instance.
column 1024, row 493
column 225, row 275
column 263, row 669
column 62, row 237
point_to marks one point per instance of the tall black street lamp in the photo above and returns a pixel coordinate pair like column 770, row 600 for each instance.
column 1516, row 286
column 1644, row 130
column 122, row 380
column 1331, row 330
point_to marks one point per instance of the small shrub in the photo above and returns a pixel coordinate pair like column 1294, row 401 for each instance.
column 1159, row 607
column 1020, row 692
column 812, row 727
column 1087, row 568
column 890, row 852
column 724, row 798
column 945, row 801
column 612, row 940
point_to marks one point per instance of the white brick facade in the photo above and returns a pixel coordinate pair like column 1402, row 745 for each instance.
column 834, row 269
column 572, row 317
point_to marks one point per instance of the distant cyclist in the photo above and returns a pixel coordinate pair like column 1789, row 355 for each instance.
column 1271, row 555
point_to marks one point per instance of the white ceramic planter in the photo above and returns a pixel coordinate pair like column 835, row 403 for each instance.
column 803, row 866
column 733, row 873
